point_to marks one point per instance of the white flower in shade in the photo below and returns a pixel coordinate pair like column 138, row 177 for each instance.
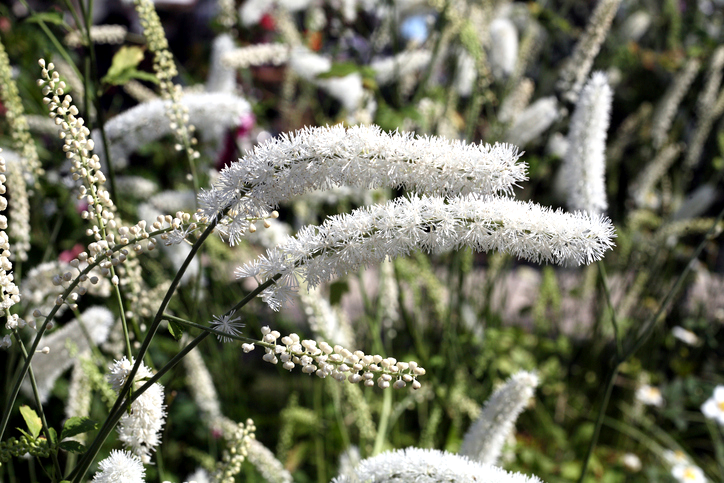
column 484, row 440
column 222, row 77
column 533, row 121
column 584, row 165
column 368, row 235
column 686, row 336
column 428, row 466
column 688, row 474
column 713, row 408
column 631, row 462
column 120, row 467
column 650, row 395
column 227, row 325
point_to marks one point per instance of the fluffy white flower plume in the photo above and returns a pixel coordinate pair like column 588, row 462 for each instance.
column 585, row 162
column 405, row 63
column 362, row 156
column 120, row 467
column 484, row 440
column 368, row 235
column 212, row 114
column 503, row 47
column 257, row 54
column 533, row 121
column 222, row 77
column 428, row 466
column 139, row 429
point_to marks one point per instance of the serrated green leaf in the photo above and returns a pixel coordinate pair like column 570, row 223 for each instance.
column 55, row 18
column 176, row 330
column 32, row 420
column 123, row 67
column 77, row 425
column 72, row 447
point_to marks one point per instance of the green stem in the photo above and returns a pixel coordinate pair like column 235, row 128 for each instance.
column 384, row 422
column 607, row 292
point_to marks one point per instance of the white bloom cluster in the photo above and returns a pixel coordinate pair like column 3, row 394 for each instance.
column 9, row 292
column 257, row 54
column 139, row 429
column 324, row 360
column 713, row 408
column 308, row 65
column 503, row 47
column 401, row 65
column 19, row 226
column 484, row 440
column 323, row 320
column 214, row 113
column 77, row 147
column 99, row 34
column 429, row 466
column 120, row 467
column 362, row 156
column 584, row 166
column 368, row 235
column 533, row 121
column 230, row 465
column 222, row 77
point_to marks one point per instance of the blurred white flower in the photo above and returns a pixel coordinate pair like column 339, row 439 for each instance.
column 675, row 458
column 650, row 395
column 686, row 336
column 631, row 462
column 504, row 47
column 713, row 408
column 688, row 474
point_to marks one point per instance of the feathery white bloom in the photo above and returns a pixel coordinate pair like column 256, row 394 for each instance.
column 428, row 466
column 222, row 77
column 533, row 121
column 503, row 47
column 713, row 408
column 323, row 320
column 257, row 54
column 585, row 162
column 650, row 395
column 120, row 467
column 80, row 393
column 307, row 64
column 18, row 208
column 268, row 465
column 401, row 65
column 139, row 430
column 666, row 109
column 9, row 292
column 636, row 25
column 66, row 344
column 484, row 440
column 362, row 156
column 465, row 74
column 688, row 474
column 227, row 325
column 202, row 388
column 686, row 336
column 212, row 113
column 642, row 188
column 368, row 235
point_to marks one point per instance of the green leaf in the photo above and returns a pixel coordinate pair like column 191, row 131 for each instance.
column 342, row 69
column 53, row 437
column 176, row 330
column 55, row 18
column 77, row 425
column 72, row 447
column 32, row 420
column 123, row 67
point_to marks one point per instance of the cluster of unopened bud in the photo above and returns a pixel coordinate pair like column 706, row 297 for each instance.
column 265, row 220
column 77, row 146
column 9, row 292
column 241, row 439
column 325, row 360
column 180, row 224
column 14, row 447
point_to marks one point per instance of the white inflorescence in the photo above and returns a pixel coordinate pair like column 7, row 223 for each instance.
column 258, row 54
column 227, row 325
column 337, row 362
column 585, row 161
column 9, row 292
column 362, row 156
column 429, row 466
column 484, row 440
column 120, row 467
column 713, row 408
column 139, row 429
column 368, row 235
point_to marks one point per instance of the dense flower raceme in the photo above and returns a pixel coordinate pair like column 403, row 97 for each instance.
column 484, row 440
column 140, row 429
column 362, row 156
column 368, row 235
column 429, row 466
column 337, row 362
column 584, row 166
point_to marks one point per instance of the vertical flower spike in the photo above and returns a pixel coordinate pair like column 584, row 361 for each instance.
column 22, row 141
column 9, row 292
column 585, row 162
column 428, row 466
column 579, row 64
column 484, row 440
